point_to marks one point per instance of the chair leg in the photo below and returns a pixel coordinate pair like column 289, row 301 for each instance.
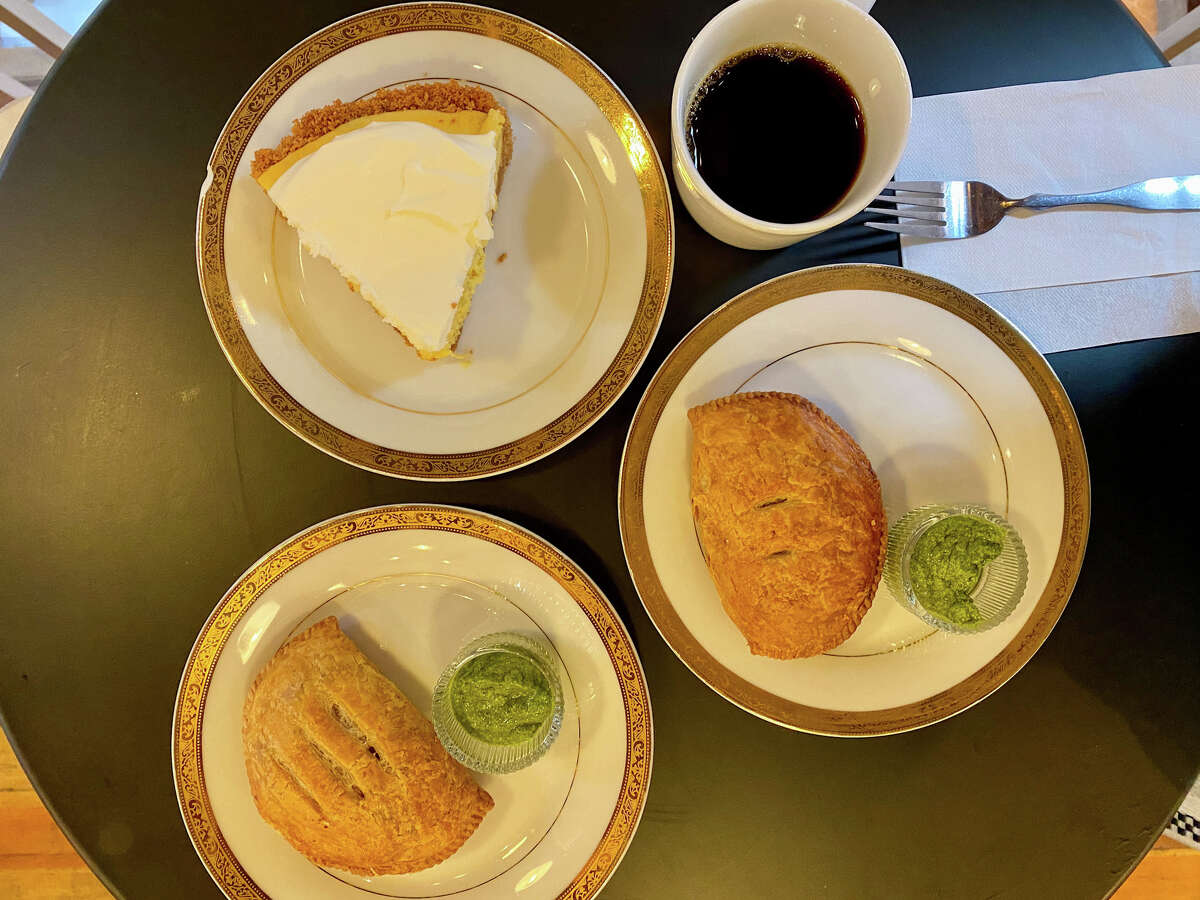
column 34, row 25
column 1178, row 36
column 11, row 89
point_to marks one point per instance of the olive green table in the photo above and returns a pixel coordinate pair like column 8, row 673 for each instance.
column 139, row 479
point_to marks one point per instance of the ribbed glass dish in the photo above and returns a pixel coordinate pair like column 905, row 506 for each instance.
column 498, row 759
column 1001, row 583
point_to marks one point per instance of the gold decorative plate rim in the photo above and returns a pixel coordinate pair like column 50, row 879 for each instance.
column 1063, row 575
column 232, row 144
column 187, row 722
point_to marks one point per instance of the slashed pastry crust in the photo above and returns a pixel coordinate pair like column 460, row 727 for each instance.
column 343, row 765
column 790, row 517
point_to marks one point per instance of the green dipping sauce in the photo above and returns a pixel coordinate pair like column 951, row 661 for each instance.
column 501, row 697
column 946, row 563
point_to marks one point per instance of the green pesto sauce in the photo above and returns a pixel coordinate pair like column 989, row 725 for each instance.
column 946, row 563
column 501, row 697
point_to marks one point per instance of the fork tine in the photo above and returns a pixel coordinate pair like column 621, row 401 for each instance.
column 938, row 215
column 929, row 231
column 914, row 199
column 921, row 187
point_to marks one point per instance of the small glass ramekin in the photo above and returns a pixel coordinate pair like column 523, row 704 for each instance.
column 498, row 759
column 1001, row 583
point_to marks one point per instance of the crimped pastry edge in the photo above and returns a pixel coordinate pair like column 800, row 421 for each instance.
column 414, row 865
column 862, row 601
column 312, row 854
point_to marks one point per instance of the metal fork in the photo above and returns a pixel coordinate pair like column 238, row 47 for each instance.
column 959, row 209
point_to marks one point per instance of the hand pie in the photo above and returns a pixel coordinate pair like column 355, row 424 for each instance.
column 790, row 519
column 346, row 768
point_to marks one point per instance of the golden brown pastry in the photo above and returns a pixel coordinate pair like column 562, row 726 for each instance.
column 346, row 768
column 790, row 518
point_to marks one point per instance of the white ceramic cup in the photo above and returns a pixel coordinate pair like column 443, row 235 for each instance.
column 841, row 34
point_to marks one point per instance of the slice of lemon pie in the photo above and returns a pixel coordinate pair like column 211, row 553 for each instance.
column 398, row 190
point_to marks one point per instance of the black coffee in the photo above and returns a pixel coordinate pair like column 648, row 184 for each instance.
column 777, row 134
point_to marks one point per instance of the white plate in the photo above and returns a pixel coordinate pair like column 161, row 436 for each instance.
column 411, row 585
column 949, row 402
column 577, row 273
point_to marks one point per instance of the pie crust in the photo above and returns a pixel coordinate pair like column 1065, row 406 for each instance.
column 790, row 518
column 343, row 765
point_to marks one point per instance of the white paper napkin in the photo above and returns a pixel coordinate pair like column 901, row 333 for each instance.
column 1072, row 277
column 1069, row 316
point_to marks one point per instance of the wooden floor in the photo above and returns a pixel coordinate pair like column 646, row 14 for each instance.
column 37, row 862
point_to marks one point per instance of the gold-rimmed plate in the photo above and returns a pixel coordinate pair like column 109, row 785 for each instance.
column 411, row 585
column 951, row 404
column 578, row 271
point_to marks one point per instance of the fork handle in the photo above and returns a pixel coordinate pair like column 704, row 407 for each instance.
column 1182, row 192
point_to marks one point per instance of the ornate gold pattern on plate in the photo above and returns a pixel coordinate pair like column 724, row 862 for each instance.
column 233, row 144
column 192, row 793
column 1076, row 510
